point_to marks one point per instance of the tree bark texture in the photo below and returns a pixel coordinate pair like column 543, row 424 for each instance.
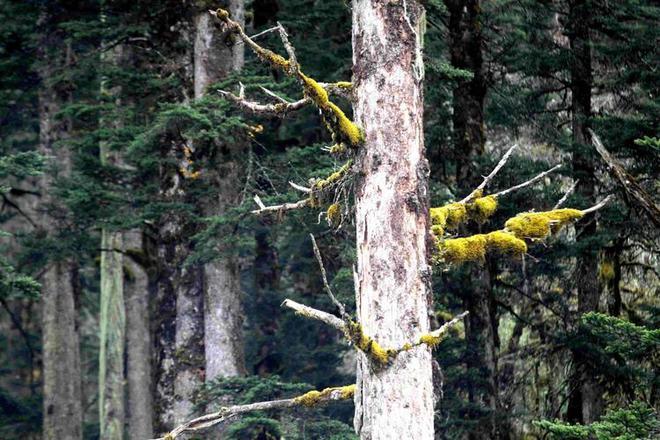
column 223, row 309
column 392, row 283
column 112, row 319
column 138, row 342
column 585, row 402
column 62, row 405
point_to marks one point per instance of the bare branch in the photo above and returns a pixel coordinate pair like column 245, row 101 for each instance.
column 300, row 187
column 529, row 182
column 274, row 95
column 340, row 306
column 293, row 61
column 598, row 205
column 319, row 315
column 435, row 337
column 310, row 399
column 267, row 31
column 566, row 195
column 281, row 208
column 630, row 186
column 280, row 109
column 478, row 190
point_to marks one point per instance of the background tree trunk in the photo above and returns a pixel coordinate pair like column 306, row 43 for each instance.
column 223, row 309
column 585, row 402
column 112, row 319
column 393, row 294
column 62, row 416
column 138, row 342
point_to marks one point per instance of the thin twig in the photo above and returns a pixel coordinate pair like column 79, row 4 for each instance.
column 273, row 95
column 269, row 30
column 566, row 195
column 280, row 109
column 529, row 182
column 300, row 187
column 319, row 315
column 598, row 205
column 282, row 208
column 340, row 306
column 489, row 177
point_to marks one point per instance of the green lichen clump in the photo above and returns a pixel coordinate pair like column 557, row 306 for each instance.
column 449, row 216
column 538, row 225
column 320, row 185
column 482, row 208
column 475, row 247
column 313, row 398
column 368, row 346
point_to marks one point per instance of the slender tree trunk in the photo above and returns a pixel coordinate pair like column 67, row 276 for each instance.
column 223, row 309
column 112, row 319
column 466, row 42
column 62, row 416
column 392, row 282
column 585, row 402
column 466, row 49
column 138, row 342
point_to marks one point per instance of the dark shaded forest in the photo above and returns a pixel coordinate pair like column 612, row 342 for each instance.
column 329, row 219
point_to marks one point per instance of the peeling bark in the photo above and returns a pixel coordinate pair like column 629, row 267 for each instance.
column 392, row 281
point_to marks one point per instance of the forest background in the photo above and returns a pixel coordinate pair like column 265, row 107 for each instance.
column 128, row 184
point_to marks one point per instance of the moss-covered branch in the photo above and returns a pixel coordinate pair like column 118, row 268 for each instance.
column 343, row 130
column 310, row 399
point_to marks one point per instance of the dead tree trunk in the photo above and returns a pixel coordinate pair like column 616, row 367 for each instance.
column 392, row 280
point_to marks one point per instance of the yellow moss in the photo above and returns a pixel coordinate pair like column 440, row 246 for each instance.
column 348, row 128
column 449, row 216
column 538, row 225
column 334, row 213
column 276, row 60
column 482, row 208
column 459, row 250
column 344, row 84
column 475, row 247
column 430, row 340
column 505, row 243
column 222, row 14
column 368, row 346
column 314, row 90
column 319, row 96
column 333, row 178
column 407, row 346
column 313, row 398
column 606, row 271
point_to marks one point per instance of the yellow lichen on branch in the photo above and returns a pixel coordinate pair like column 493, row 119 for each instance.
column 313, row 398
column 475, row 247
column 449, row 216
column 334, row 214
column 381, row 356
column 452, row 215
column 538, row 225
column 482, row 208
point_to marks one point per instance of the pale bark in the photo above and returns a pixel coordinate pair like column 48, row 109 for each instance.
column 223, row 309
column 392, row 280
column 62, row 416
column 138, row 343
column 112, row 323
column 112, row 319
